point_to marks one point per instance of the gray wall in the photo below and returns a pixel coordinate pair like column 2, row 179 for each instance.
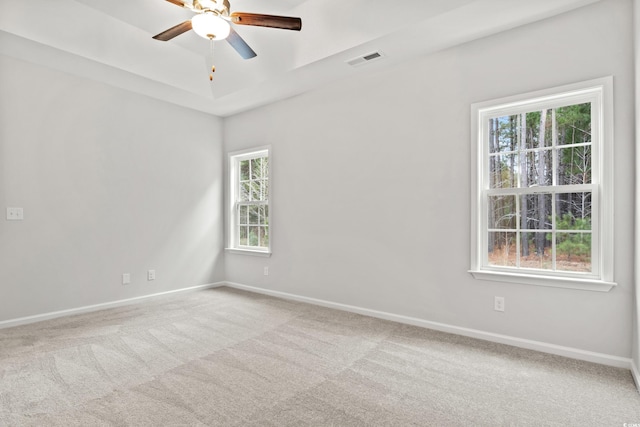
column 636, row 320
column 110, row 182
column 371, row 184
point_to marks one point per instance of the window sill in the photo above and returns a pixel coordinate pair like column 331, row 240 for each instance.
column 250, row 252
column 555, row 282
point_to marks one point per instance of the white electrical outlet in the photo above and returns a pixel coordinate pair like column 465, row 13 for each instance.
column 266, row 271
column 126, row 278
column 151, row 275
column 15, row 214
column 498, row 304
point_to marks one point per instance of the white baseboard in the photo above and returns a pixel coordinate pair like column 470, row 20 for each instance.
column 89, row 308
column 635, row 372
column 574, row 353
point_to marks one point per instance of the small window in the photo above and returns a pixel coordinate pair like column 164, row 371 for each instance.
column 542, row 197
column 249, row 213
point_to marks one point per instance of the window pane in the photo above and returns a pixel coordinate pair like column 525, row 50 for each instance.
column 242, row 215
column 503, row 134
column 502, row 171
column 574, row 165
column 526, row 242
column 546, row 127
column 244, row 191
column 243, row 236
column 253, row 215
column 265, row 189
column 537, row 253
column 538, row 168
column 574, row 124
column 533, row 126
column 263, row 211
column 573, row 211
column 264, row 236
column 528, row 169
column 502, row 212
column 541, row 168
column 573, row 251
column 502, row 248
column 244, row 170
column 537, row 211
column 256, row 168
column 256, row 190
column 539, row 125
column 254, row 234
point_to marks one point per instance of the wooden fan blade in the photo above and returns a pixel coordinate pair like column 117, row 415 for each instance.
column 273, row 21
column 177, row 3
column 240, row 45
column 173, row 31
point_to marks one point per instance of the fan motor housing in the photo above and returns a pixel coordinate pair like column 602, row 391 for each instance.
column 217, row 6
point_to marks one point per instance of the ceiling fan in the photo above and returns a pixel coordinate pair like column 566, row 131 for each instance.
column 212, row 21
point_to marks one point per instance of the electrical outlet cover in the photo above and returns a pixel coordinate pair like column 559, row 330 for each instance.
column 15, row 214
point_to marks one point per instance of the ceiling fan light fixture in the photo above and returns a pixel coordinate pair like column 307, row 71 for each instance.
column 210, row 26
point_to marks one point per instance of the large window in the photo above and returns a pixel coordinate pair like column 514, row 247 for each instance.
column 249, row 201
column 543, row 197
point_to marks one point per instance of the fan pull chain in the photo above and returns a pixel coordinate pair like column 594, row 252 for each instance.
column 213, row 67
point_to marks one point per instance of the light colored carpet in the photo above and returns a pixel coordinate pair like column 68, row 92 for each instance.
column 232, row 358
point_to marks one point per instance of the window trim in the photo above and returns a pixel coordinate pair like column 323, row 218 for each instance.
column 601, row 91
column 233, row 161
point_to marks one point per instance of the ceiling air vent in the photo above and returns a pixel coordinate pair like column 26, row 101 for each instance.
column 360, row 60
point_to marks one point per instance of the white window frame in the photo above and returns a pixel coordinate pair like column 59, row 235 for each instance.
column 233, row 238
column 600, row 93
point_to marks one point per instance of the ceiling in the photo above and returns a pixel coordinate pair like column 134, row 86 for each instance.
column 110, row 41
